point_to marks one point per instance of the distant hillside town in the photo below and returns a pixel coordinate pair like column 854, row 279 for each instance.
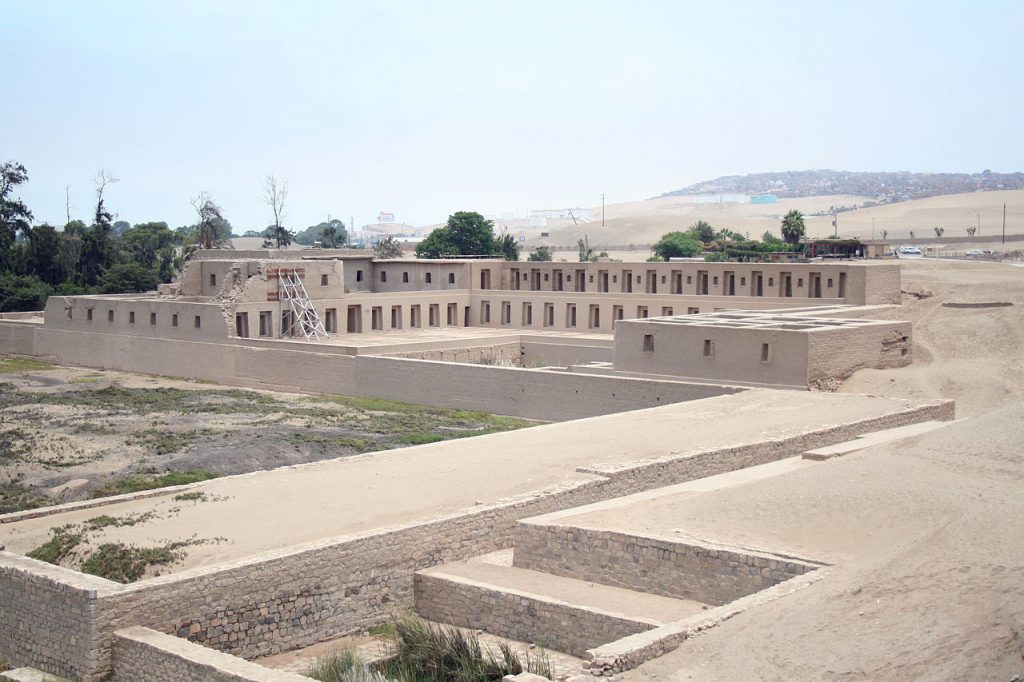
column 884, row 187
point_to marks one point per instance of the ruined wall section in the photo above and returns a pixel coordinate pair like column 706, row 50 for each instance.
column 48, row 618
column 144, row 655
column 694, row 570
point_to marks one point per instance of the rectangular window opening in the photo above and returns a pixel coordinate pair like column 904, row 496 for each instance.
column 648, row 343
column 765, row 352
column 709, row 348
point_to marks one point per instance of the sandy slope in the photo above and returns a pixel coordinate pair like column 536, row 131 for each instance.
column 928, row 577
column 642, row 222
column 974, row 355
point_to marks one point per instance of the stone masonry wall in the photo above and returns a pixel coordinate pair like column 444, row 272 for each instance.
column 684, row 570
column 520, row 616
column 143, row 655
column 48, row 617
column 300, row 595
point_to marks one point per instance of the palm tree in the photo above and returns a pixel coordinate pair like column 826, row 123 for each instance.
column 793, row 227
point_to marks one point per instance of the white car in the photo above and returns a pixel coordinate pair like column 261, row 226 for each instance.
column 910, row 251
column 971, row 253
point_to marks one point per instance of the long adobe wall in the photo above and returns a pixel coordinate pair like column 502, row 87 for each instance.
column 547, row 396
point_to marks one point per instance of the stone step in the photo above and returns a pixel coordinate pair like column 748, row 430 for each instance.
column 874, row 438
column 555, row 612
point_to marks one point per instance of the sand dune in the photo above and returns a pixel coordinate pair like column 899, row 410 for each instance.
column 642, row 222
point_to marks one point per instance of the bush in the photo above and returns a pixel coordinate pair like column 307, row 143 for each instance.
column 128, row 278
column 21, row 293
column 678, row 245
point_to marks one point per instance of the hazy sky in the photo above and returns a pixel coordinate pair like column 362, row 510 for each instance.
column 425, row 108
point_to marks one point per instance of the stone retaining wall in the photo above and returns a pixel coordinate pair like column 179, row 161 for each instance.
column 296, row 596
column 47, row 617
column 143, row 655
column 519, row 615
column 685, row 570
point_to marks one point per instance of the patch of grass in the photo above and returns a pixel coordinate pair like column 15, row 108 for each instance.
column 95, row 429
column 166, row 442
column 63, row 540
column 345, row 665
column 418, row 438
column 132, row 484
column 106, row 521
column 127, row 563
column 191, row 497
column 332, row 441
column 424, row 652
column 16, row 497
column 13, row 365
column 14, row 445
column 143, row 401
column 382, row 630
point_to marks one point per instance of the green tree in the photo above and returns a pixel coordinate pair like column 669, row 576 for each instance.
column 541, row 253
column 793, row 227
column 98, row 247
column 212, row 230
column 703, row 230
column 129, row 277
column 44, row 254
column 585, row 253
column 508, row 247
column 330, row 234
column 19, row 293
column 465, row 234
column 678, row 245
column 152, row 245
column 939, row 231
column 387, row 248
column 15, row 217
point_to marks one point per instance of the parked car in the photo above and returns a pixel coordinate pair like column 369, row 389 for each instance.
column 973, row 253
column 910, row 251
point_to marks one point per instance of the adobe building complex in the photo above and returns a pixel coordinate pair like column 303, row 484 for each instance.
column 654, row 380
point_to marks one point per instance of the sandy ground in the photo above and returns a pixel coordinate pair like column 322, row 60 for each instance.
column 928, row 582
column 271, row 510
column 972, row 355
column 643, row 222
column 65, row 451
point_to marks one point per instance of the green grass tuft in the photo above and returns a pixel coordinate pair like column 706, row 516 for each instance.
column 133, row 484
column 13, row 365
column 63, row 540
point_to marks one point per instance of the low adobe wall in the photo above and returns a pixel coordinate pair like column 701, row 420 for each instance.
column 683, row 570
column 512, row 391
column 144, row 655
column 520, row 616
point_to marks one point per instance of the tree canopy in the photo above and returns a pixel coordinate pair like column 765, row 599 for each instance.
column 467, row 234
column 793, row 227
column 540, row 253
column 678, row 245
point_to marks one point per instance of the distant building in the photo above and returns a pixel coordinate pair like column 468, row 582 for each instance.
column 540, row 218
column 385, row 217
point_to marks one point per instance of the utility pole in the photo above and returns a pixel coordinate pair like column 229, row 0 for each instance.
column 872, row 227
column 977, row 231
column 602, row 209
column 1004, row 222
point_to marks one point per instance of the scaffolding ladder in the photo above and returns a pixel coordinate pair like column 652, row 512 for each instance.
column 303, row 315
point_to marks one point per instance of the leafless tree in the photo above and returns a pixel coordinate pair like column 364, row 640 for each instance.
column 274, row 195
column 67, row 203
column 102, row 180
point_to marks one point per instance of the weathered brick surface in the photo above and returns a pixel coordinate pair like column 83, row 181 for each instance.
column 684, row 570
column 143, row 655
column 527, row 618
